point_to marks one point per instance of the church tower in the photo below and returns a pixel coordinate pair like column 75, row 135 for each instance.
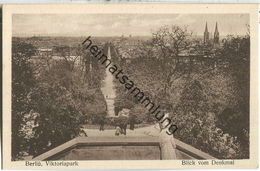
column 206, row 35
column 216, row 36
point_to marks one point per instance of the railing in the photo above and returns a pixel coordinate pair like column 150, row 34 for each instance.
column 168, row 151
column 191, row 152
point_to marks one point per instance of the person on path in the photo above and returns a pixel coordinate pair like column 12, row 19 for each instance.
column 102, row 123
column 132, row 122
column 123, row 128
column 118, row 130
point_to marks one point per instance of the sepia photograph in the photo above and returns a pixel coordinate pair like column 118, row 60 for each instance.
column 130, row 86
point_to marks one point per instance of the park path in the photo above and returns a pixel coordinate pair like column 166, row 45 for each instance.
column 139, row 132
column 108, row 90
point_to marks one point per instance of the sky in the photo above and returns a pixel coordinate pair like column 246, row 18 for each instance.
column 123, row 24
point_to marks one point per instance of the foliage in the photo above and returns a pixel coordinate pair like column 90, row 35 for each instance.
column 140, row 114
column 64, row 102
column 237, row 51
column 170, row 41
column 209, row 104
column 196, row 123
column 52, row 103
column 22, row 82
column 211, row 109
column 58, row 117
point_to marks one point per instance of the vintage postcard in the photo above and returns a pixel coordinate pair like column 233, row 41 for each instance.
column 144, row 86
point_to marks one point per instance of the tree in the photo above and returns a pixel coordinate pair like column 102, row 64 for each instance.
column 140, row 114
column 191, row 111
column 22, row 82
column 50, row 106
column 63, row 102
column 236, row 51
column 65, row 53
column 171, row 41
column 54, row 100
column 58, row 120
column 196, row 123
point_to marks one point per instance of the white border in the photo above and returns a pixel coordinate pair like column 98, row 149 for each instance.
column 8, row 10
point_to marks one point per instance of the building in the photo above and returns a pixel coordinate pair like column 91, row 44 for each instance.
column 207, row 39
column 216, row 36
column 44, row 52
column 206, row 35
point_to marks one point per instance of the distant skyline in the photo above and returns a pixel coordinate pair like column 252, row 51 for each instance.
column 123, row 24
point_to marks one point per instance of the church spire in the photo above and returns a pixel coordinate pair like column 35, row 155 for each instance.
column 206, row 34
column 206, row 28
column 216, row 35
column 216, row 28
